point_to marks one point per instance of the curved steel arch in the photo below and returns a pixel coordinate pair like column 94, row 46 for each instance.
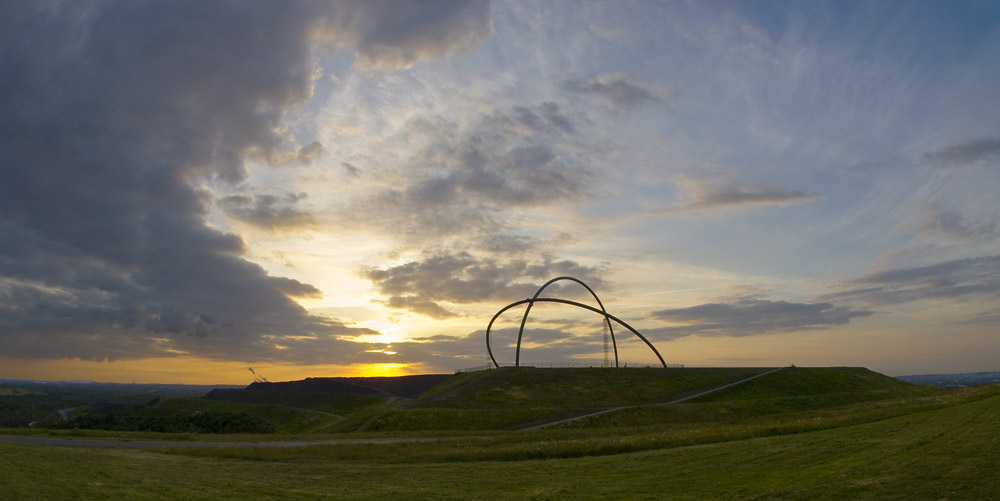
column 531, row 301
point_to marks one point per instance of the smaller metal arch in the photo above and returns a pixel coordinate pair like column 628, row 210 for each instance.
column 531, row 302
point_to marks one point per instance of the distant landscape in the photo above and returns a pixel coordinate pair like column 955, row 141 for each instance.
column 954, row 380
column 510, row 433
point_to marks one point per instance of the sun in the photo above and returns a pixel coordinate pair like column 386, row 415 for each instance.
column 383, row 370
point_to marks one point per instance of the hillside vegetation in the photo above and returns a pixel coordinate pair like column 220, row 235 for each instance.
column 503, row 399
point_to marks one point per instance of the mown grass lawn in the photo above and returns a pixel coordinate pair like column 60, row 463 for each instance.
column 950, row 451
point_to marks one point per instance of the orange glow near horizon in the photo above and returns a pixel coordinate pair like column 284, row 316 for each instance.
column 188, row 370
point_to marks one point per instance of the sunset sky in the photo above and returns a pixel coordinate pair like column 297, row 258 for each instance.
column 189, row 189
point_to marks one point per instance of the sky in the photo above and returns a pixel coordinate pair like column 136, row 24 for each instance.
column 192, row 189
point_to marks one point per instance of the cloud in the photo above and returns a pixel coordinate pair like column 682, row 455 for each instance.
column 706, row 194
column 936, row 220
column 351, row 170
column 538, row 345
column 965, row 153
column 310, row 152
column 948, row 280
column 268, row 212
column 419, row 306
column 749, row 316
column 461, row 278
column 465, row 179
column 506, row 243
column 393, row 35
column 120, row 119
column 616, row 89
column 983, row 319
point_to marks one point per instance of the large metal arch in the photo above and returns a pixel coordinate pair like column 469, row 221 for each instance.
column 530, row 302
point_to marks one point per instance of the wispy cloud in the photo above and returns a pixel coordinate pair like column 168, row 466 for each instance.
column 979, row 276
column 965, row 153
column 749, row 316
column 936, row 220
column 616, row 89
column 710, row 194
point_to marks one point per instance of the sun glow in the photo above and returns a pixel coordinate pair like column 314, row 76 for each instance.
column 376, row 370
column 191, row 370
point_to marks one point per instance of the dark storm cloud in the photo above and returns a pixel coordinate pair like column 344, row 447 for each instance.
column 955, row 279
column 750, row 316
column 965, row 153
column 461, row 278
column 465, row 179
column 617, row 89
column 268, row 212
column 115, row 116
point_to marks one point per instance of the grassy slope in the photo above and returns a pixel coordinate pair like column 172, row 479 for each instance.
column 797, row 382
column 574, row 388
column 283, row 419
column 345, row 403
column 511, row 399
column 788, row 391
column 514, row 398
column 946, row 447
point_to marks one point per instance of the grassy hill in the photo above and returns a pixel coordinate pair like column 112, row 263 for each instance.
column 858, row 382
column 789, row 392
column 505, row 399
column 941, row 445
column 519, row 398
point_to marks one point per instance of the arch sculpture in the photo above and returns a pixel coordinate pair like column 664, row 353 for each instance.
column 535, row 299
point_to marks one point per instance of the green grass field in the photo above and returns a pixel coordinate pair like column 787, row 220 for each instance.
column 777, row 440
